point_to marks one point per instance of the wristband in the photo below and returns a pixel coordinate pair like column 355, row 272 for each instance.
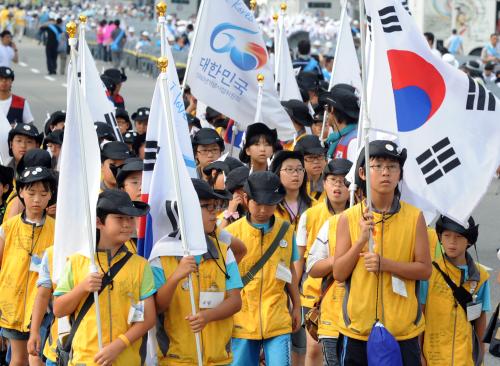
column 124, row 339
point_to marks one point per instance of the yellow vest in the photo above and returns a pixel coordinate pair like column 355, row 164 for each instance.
column 448, row 334
column 17, row 282
column 314, row 195
column 434, row 244
column 215, row 337
column 316, row 217
column 264, row 311
column 9, row 203
column 331, row 305
column 282, row 213
column 49, row 350
column 131, row 246
column 400, row 315
column 126, row 291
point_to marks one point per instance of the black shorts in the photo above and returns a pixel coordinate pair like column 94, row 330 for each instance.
column 15, row 334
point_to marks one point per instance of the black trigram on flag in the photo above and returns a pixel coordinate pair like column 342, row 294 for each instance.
column 173, row 217
column 438, row 160
column 406, row 6
column 111, row 121
column 369, row 22
column 389, row 20
column 476, row 97
column 150, row 151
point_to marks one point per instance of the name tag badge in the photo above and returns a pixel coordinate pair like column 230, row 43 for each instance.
column 211, row 299
column 35, row 263
column 399, row 287
column 136, row 313
column 283, row 273
column 474, row 310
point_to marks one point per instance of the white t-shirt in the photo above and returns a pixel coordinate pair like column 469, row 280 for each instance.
column 27, row 116
column 6, row 55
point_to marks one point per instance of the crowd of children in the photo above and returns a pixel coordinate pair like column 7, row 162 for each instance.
column 289, row 277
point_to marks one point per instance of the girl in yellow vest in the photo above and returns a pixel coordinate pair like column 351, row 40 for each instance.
column 127, row 307
column 314, row 163
column 381, row 285
column 23, row 239
column 454, row 328
column 309, row 226
column 265, row 320
column 39, row 342
column 259, row 146
column 216, row 284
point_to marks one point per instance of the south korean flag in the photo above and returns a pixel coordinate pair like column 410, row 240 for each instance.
column 449, row 123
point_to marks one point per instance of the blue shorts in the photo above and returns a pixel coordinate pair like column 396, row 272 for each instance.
column 246, row 352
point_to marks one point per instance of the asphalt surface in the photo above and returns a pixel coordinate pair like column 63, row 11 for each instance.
column 47, row 94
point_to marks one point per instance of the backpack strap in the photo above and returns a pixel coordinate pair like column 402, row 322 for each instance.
column 107, row 279
column 461, row 295
column 269, row 252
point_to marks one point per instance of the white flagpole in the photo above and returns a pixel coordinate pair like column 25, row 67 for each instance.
column 71, row 29
column 233, row 137
column 276, row 48
column 81, row 38
column 165, row 97
column 191, row 47
column 365, row 118
column 281, row 33
column 260, row 80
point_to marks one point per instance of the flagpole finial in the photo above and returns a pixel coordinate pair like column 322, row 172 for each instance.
column 82, row 18
column 71, row 29
column 283, row 6
column 275, row 17
column 161, row 9
column 162, row 64
column 253, row 4
column 260, row 78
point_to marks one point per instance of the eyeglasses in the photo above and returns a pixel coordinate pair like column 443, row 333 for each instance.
column 391, row 168
column 210, row 207
column 213, row 151
column 337, row 181
column 133, row 183
column 314, row 158
column 293, row 170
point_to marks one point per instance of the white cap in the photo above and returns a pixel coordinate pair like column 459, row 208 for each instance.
column 131, row 29
column 145, row 34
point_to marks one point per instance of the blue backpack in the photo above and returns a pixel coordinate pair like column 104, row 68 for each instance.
column 382, row 348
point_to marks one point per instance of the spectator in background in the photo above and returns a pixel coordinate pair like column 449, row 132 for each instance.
column 328, row 67
column 118, row 38
column 455, row 43
column 430, row 40
column 304, row 61
column 53, row 34
column 488, row 73
column 100, row 39
column 8, row 49
column 181, row 43
column 143, row 42
column 490, row 52
column 107, row 40
column 20, row 22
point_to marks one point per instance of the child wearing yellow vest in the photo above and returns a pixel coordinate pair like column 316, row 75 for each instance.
column 313, row 222
column 381, row 285
column 36, row 346
column 265, row 320
column 23, row 239
column 127, row 307
column 454, row 328
column 216, row 283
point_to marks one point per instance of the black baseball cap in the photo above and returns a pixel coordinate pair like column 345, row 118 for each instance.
column 123, row 171
column 6, row 72
column 207, row 136
column 343, row 100
column 109, row 83
column 205, row 192
column 256, row 129
column 139, row 140
column 310, row 145
column 308, row 80
column 337, row 167
column 104, row 131
column 55, row 137
column 129, row 137
column 34, row 157
column 118, row 76
column 115, row 201
column 142, row 114
column 115, row 150
column 298, row 111
column 237, row 178
column 283, row 155
column 37, row 174
column 122, row 113
column 265, row 188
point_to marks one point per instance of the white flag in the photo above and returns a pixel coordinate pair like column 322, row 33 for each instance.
column 72, row 233
column 160, row 235
column 345, row 63
column 4, row 135
column 101, row 108
column 448, row 122
column 227, row 56
column 288, row 87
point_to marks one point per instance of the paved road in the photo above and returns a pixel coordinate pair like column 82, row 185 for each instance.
column 47, row 94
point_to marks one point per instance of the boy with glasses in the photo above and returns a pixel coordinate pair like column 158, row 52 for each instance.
column 207, row 147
